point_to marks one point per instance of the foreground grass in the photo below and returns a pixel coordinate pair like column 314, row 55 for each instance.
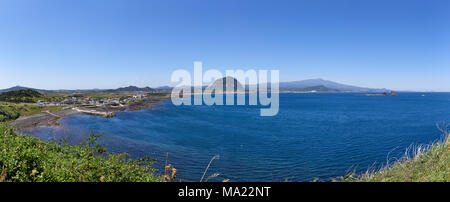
column 24, row 158
column 428, row 164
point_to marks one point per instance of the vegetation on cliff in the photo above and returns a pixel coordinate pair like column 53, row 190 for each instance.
column 24, row 158
column 430, row 163
column 12, row 111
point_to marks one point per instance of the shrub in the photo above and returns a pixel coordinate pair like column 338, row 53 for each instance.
column 24, row 158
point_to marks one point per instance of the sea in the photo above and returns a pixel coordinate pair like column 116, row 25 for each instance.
column 315, row 136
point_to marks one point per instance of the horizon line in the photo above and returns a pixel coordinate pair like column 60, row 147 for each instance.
column 102, row 89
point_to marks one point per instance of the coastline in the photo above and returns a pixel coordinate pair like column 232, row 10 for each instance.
column 51, row 118
column 141, row 147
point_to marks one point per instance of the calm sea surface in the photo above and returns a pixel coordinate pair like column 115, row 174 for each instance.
column 319, row 135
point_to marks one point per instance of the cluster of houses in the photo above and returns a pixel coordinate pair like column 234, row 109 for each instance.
column 90, row 101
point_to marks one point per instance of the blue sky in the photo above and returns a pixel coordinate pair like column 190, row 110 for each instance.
column 80, row 44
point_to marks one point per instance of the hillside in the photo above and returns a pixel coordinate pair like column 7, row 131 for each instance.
column 131, row 89
column 163, row 89
column 25, row 96
column 12, row 111
column 14, row 104
column 17, row 88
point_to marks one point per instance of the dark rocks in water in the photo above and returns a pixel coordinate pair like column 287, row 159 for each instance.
column 391, row 93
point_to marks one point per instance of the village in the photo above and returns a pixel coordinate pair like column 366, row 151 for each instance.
column 77, row 100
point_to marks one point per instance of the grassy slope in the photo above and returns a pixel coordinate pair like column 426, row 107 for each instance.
column 12, row 111
column 429, row 164
column 26, row 159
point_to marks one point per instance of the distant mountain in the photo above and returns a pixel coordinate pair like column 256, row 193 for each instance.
column 299, row 85
column 17, row 88
column 163, row 89
column 319, row 85
column 123, row 89
column 131, row 89
column 79, row 90
column 319, row 88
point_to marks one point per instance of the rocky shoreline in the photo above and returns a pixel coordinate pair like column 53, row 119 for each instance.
column 51, row 118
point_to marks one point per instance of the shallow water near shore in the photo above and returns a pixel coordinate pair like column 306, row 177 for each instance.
column 315, row 135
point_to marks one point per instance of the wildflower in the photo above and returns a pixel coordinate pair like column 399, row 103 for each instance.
column 174, row 174
column 166, row 178
column 3, row 175
column 168, row 167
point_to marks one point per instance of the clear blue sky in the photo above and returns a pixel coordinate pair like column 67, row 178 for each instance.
column 80, row 44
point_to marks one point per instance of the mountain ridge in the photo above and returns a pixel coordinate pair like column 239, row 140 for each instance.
column 17, row 88
column 292, row 85
column 301, row 85
column 131, row 89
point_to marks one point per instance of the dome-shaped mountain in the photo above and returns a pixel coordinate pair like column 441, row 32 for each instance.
column 229, row 84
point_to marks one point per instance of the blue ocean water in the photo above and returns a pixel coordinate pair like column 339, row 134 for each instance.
column 315, row 135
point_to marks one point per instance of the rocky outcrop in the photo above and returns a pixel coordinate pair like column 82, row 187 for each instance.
column 228, row 84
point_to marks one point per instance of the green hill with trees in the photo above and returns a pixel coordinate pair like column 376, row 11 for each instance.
column 21, row 96
column 11, row 111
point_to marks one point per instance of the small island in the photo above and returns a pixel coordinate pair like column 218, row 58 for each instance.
column 391, row 93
